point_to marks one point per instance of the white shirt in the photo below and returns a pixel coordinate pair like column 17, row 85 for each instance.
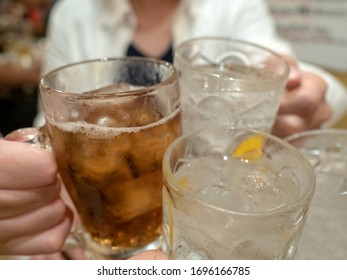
column 89, row 29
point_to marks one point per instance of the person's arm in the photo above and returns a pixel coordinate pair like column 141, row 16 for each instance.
column 14, row 75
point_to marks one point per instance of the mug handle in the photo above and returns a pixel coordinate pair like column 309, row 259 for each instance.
column 33, row 136
column 38, row 138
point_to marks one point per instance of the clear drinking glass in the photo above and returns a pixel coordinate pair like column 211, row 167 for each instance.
column 108, row 123
column 229, row 82
column 234, row 193
column 324, row 236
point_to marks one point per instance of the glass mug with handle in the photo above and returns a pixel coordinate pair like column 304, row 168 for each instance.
column 108, row 123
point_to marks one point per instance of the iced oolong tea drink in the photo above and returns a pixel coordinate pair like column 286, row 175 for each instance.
column 108, row 123
column 114, row 174
column 234, row 194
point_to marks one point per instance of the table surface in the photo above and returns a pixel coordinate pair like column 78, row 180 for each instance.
column 324, row 236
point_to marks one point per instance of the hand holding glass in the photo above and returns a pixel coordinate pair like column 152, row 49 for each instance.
column 108, row 123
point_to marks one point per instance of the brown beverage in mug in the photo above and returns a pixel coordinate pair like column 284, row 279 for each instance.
column 114, row 174
column 109, row 122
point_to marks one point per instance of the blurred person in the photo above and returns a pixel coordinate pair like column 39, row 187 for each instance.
column 89, row 29
column 109, row 28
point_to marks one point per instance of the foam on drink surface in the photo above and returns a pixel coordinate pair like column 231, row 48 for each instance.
column 100, row 130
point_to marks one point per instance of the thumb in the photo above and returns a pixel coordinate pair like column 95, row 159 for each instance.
column 295, row 75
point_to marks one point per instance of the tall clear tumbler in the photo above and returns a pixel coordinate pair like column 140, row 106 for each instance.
column 229, row 82
column 108, row 123
column 324, row 236
column 234, row 194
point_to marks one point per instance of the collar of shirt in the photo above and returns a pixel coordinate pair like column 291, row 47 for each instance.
column 115, row 13
column 120, row 12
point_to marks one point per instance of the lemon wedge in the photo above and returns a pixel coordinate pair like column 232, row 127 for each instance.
column 250, row 149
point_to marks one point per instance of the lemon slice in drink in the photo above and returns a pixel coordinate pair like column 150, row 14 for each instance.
column 250, row 149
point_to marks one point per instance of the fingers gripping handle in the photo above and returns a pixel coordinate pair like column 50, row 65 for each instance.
column 33, row 136
column 38, row 138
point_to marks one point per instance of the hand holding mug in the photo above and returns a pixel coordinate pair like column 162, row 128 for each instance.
column 33, row 217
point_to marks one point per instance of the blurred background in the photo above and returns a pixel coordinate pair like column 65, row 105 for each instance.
column 22, row 45
column 315, row 29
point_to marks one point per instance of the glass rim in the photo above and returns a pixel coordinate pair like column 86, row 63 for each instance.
column 134, row 92
column 316, row 132
column 168, row 175
column 282, row 76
